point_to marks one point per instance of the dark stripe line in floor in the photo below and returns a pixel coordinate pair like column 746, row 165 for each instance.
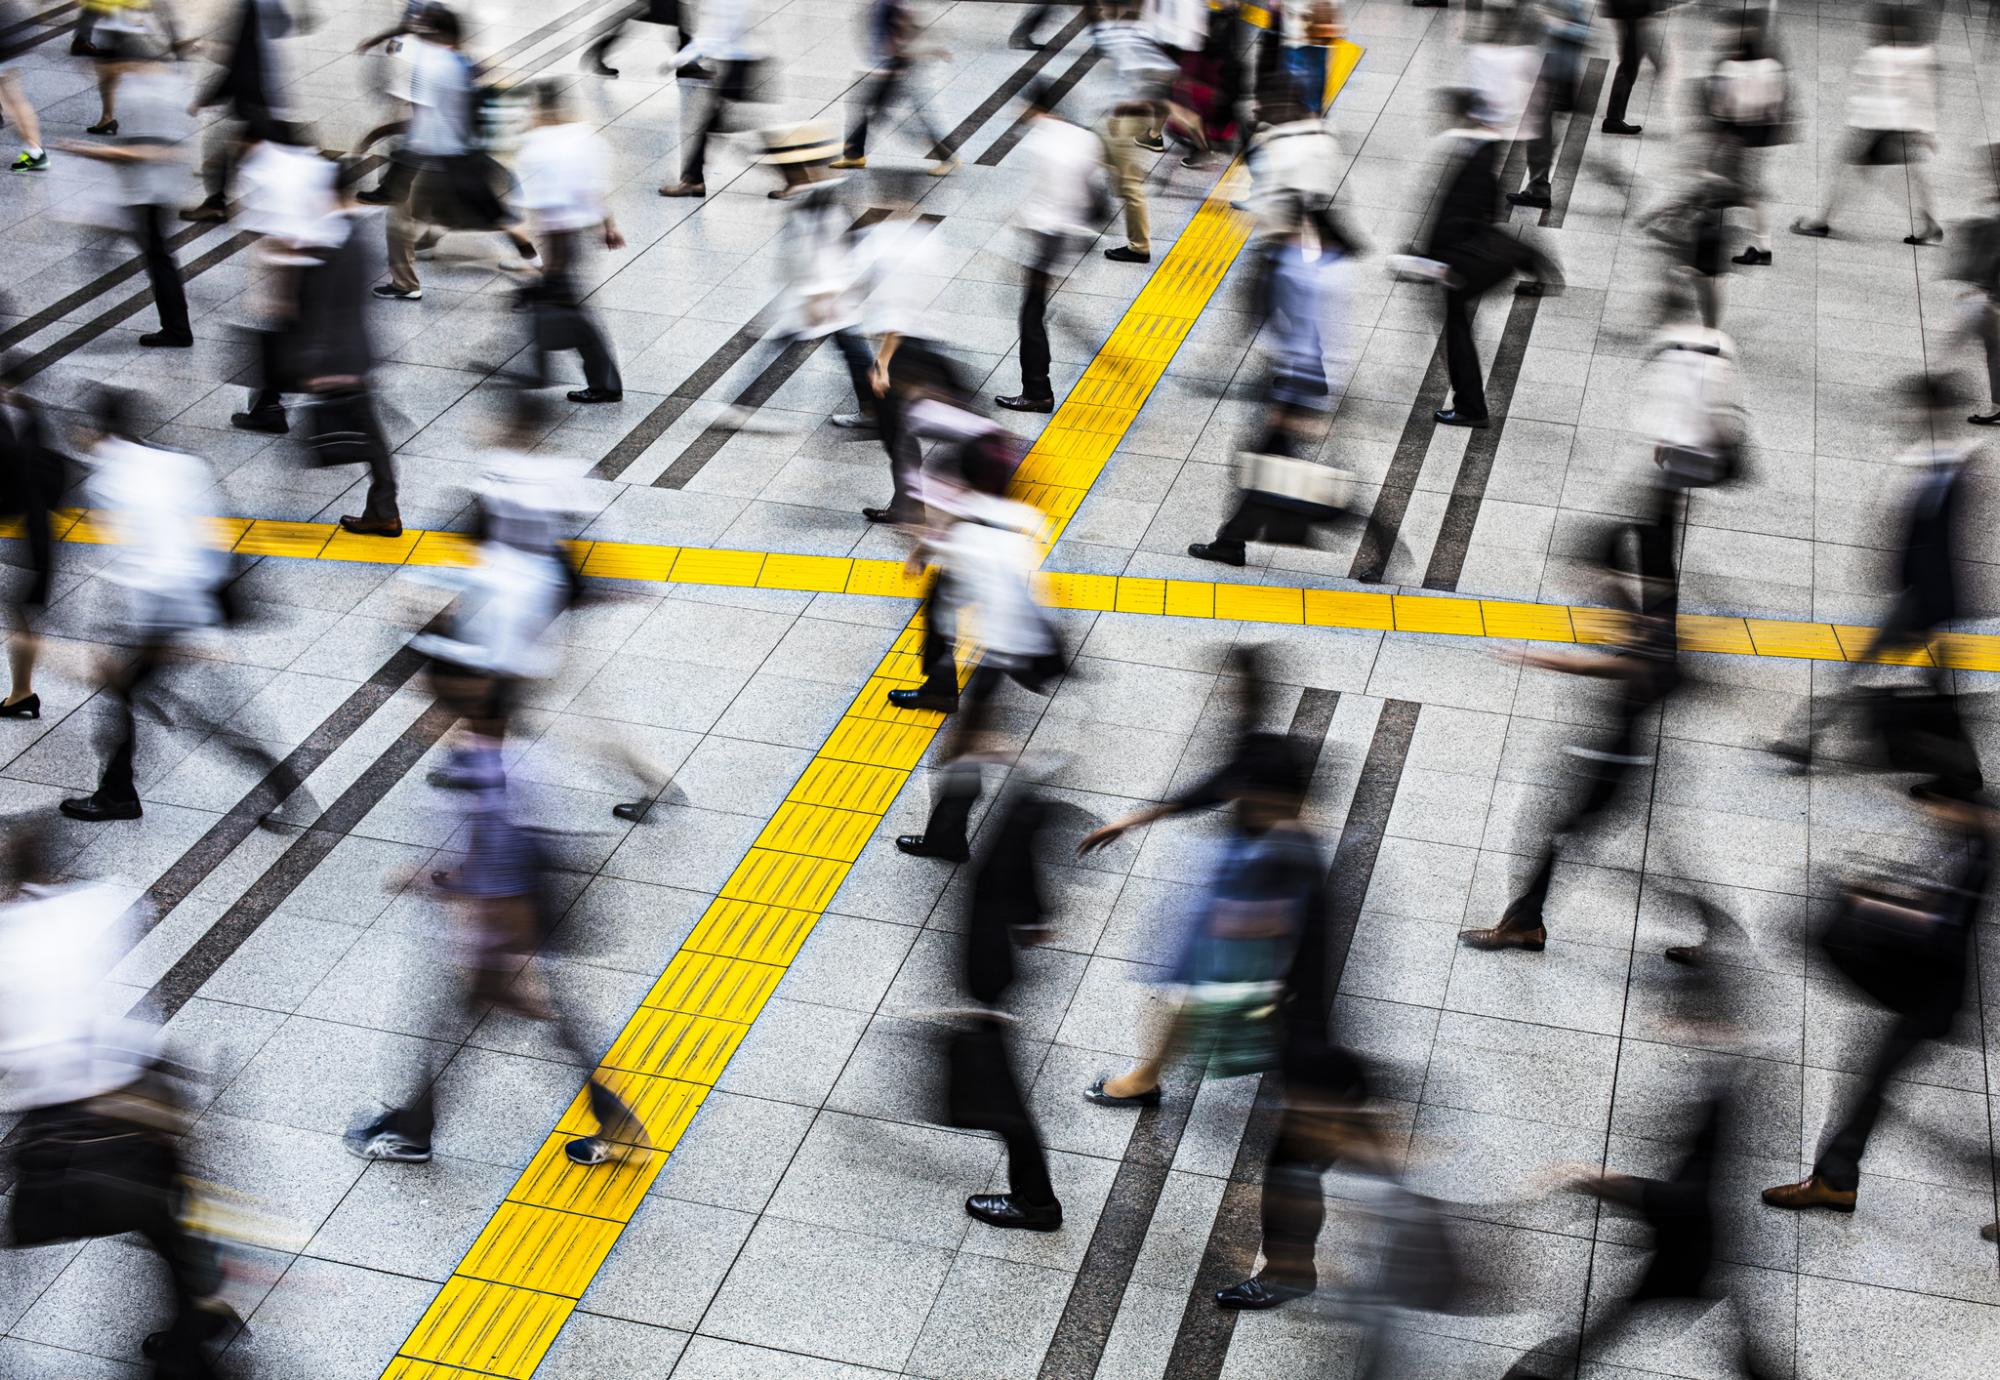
column 1077, row 1348
column 1475, row 469
column 49, row 16
column 760, row 390
column 1008, row 89
column 1392, row 500
column 243, row 919
column 25, row 45
column 1201, row 1344
column 1058, row 89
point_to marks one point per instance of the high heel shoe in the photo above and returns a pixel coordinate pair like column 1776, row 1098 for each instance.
column 27, row 707
column 107, row 127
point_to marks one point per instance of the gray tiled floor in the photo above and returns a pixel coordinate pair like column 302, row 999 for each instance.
column 809, row 1223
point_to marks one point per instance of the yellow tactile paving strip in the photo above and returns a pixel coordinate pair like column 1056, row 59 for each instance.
column 1052, row 477
column 503, row 1306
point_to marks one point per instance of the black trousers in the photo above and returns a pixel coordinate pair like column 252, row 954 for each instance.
column 669, row 13
column 859, row 359
column 732, row 84
column 1034, row 318
column 1031, row 20
column 1612, row 773
column 268, row 398
column 1840, row 1158
column 888, row 86
column 116, row 784
column 563, row 323
column 914, row 365
column 985, row 1096
column 1631, row 50
column 1291, row 1208
column 162, row 273
column 380, row 505
column 1461, row 354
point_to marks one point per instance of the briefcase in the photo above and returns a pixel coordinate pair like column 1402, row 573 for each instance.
column 1301, row 486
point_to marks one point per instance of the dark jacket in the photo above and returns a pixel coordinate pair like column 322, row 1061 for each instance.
column 334, row 304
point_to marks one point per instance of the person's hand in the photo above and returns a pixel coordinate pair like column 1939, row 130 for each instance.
column 878, row 378
column 1100, row 838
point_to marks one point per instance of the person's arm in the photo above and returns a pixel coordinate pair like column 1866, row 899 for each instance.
column 878, row 377
column 365, row 44
column 1106, row 835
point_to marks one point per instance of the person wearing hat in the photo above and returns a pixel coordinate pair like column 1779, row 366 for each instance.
column 565, row 174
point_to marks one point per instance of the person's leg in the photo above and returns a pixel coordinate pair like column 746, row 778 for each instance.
column 1468, row 385
column 1128, row 178
column 163, row 273
column 1839, row 1164
column 1023, row 35
column 957, row 787
column 267, row 401
column 872, row 104
column 380, row 507
column 117, row 784
column 1034, row 322
column 937, row 652
column 23, row 647
column 597, row 56
column 1542, row 142
column 1989, row 337
column 1027, row 1160
column 859, row 359
column 404, row 228
column 1629, row 54
column 1923, row 224
column 1244, row 525
column 18, row 108
column 1291, row 1208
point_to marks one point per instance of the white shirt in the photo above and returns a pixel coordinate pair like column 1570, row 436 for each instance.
column 1689, row 395
column 1502, row 78
column 1062, row 159
column 898, row 264
column 722, row 32
column 287, row 192
column 155, row 503
column 1180, row 24
column 440, row 102
column 992, row 558
column 564, row 171
column 1895, row 87
column 152, row 115
column 58, row 1043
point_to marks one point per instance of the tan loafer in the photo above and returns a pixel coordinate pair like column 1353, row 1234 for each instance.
column 1505, row 937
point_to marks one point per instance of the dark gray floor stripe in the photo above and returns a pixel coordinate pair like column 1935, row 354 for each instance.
column 759, row 390
column 1468, row 489
column 1392, row 501
column 1201, row 1344
column 228, row 934
column 1008, row 89
column 11, row 51
column 53, row 15
column 1058, row 89
column 1077, row 1348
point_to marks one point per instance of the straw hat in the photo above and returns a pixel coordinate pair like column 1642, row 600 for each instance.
column 810, row 142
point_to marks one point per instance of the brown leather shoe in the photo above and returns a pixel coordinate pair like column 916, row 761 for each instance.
column 362, row 527
column 1810, row 1193
column 1503, row 936
column 1990, row 1232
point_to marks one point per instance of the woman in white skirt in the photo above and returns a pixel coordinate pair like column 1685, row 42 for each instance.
column 1892, row 111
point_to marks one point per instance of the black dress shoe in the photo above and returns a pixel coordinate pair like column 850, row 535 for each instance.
column 1258, row 1293
column 1451, row 416
column 917, row 699
column 269, row 423
column 1620, row 127
column 95, row 809
column 166, row 340
column 1125, row 254
column 1811, row 229
column 1753, row 257
column 1985, row 418
column 1004, row 1210
column 27, row 707
column 1095, row 1093
column 1536, row 196
column 694, row 71
column 369, row 527
column 917, row 846
column 596, row 395
column 633, row 810
column 888, row 515
column 1021, row 402
column 604, row 69
column 1215, row 551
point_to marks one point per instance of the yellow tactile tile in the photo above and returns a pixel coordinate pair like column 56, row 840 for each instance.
column 887, row 578
column 345, row 546
column 267, row 538
column 1190, row 599
column 540, row 1248
column 611, row 1191
column 663, row 1106
column 818, row 574
column 728, row 988
column 1698, row 632
column 1530, row 622
column 403, row 1368
column 878, row 744
column 784, row 879
column 818, row 831
column 441, row 548
column 1418, row 613
column 619, row 561
column 672, row 1044
column 489, row 1328
column 747, row 929
column 1140, row 596
column 1260, row 603
column 1097, row 593
column 1814, row 641
column 848, row 786
column 1855, row 642
column 694, row 567
column 1336, row 608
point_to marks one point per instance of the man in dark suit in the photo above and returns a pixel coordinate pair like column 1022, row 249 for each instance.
column 1638, row 39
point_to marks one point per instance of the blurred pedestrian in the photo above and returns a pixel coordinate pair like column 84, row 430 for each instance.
column 895, row 47
column 1892, row 111
column 151, row 167
column 1748, row 107
column 33, row 476
column 14, row 102
column 453, row 181
column 248, row 84
column 1004, row 911
column 1910, row 948
column 1063, row 162
column 97, row 1151
column 1565, row 41
column 121, row 33
column 565, row 175
column 1641, row 38
column 1141, row 74
column 910, row 365
column 1977, row 267
column 156, row 504
column 1023, row 35
column 667, row 14
column 724, row 36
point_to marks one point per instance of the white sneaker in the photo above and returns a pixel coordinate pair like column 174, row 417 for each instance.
column 377, row 1141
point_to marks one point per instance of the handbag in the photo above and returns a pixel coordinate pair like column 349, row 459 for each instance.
column 340, row 430
column 1889, row 946
column 1302, row 486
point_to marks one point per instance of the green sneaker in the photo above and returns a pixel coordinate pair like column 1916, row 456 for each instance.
column 31, row 162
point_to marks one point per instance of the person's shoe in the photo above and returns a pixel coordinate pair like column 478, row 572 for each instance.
column 632, row 811
column 1985, row 418
column 918, row 847
column 390, row 292
column 852, row 421
column 1451, row 416
column 1792, row 753
column 1990, row 1232
column 1151, row 143
column 95, row 809
column 209, row 212
column 1125, row 254
column 1620, row 127
column 167, row 340
column 1810, row 1192
column 377, row 1140
column 1095, row 1093
column 1021, row 402
column 85, row 48
column 845, row 163
column 102, row 127
column 1932, row 233
column 1198, row 159
column 917, row 699
column 1257, row 1293
column 1024, row 43
column 1811, row 229
column 589, row 1150
column 1539, row 287
column 271, row 423
column 27, row 707
column 694, row 71
column 944, row 167
column 1536, row 196
column 1532, row 938
column 31, row 162
column 374, row 196
column 1753, row 257
column 1006, row 1211
column 696, row 189
column 604, row 69
column 888, row 515
column 1687, row 955
column 596, row 395
column 1217, row 552
column 364, row 527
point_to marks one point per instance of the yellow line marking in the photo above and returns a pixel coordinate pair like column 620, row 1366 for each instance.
column 502, row 1307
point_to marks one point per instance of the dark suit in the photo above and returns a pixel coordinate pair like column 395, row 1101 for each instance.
column 334, row 304
column 1465, row 237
